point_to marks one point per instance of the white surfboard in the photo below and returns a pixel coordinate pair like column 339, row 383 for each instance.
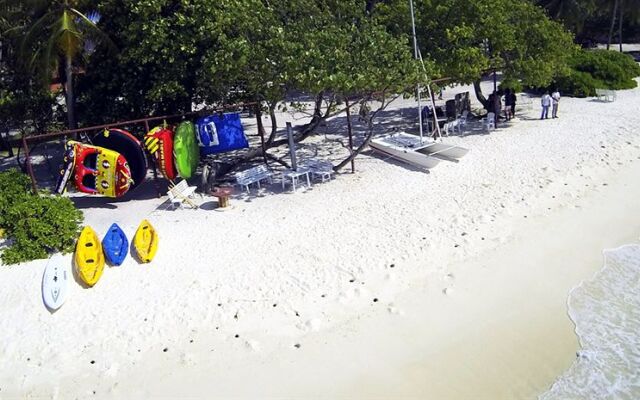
column 55, row 281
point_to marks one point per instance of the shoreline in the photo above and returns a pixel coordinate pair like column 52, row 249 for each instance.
column 501, row 345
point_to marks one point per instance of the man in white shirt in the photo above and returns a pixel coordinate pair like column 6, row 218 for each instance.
column 555, row 98
column 546, row 103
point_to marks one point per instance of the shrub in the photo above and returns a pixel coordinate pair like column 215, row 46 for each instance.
column 591, row 69
column 578, row 84
column 35, row 224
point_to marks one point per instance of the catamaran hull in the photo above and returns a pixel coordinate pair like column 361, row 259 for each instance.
column 408, row 155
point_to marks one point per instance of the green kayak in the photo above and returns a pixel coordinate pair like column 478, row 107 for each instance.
column 185, row 149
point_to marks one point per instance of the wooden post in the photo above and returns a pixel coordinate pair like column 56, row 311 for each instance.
column 349, row 130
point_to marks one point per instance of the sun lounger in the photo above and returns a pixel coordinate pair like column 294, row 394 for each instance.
column 254, row 175
column 606, row 94
column 180, row 194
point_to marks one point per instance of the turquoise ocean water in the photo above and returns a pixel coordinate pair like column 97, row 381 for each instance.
column 606, row 312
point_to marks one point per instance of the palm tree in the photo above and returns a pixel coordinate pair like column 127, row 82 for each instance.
column 56, row 39
column 572, row 12
column 614, row 14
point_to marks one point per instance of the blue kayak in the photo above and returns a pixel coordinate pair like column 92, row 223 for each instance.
column 115, row 245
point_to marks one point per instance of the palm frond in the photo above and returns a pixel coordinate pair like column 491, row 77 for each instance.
column 93, row 29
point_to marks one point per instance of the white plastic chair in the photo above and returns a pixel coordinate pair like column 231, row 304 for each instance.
column 490, row 121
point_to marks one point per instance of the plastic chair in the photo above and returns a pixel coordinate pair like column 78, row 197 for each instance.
column 490, row 121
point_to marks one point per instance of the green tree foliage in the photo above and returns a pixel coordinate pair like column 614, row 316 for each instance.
column 161, row 45
column 591, row 69
column 35, row 225
column 175, row 54
column 572, row 13
column 466, row 38
column 54, row 39
column 25, row 103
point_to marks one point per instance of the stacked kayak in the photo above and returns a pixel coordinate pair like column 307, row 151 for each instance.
column 159, row 143
column 185, row 149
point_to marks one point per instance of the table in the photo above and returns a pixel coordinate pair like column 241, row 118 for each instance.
column 294, row 176
column 222, row 193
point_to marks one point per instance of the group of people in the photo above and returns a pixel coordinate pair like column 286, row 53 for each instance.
column 495, row 102
column 495, row 105
column 552, row 101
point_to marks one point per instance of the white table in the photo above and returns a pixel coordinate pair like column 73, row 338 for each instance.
column 294, row 177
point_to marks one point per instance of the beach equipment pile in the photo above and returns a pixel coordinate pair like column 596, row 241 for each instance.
column 114, row 161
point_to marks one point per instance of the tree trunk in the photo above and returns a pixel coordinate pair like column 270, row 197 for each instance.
column 350, row 132
column 620, row 23
column 70, row 100
column 613, row 23
column 317, row 111
column 483, row 100
column 356, row 152
column 274, row 123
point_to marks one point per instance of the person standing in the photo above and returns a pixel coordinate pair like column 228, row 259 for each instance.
column 507, row 104
column 555, row 98
column 513, row 99
column 546, row 103
column 497, row 106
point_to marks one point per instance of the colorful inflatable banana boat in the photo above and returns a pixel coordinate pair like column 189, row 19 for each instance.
column 99, row 171
column 129, row 146
column 159, row 143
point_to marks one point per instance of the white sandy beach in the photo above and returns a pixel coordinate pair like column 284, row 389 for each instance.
column 384, row 283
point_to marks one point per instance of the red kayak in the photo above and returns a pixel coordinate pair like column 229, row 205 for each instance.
column 159, row 143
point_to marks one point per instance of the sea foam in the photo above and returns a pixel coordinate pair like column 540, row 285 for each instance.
column 606, row 312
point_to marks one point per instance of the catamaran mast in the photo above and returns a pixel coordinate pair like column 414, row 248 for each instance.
column 415, row 54
column 418, row 56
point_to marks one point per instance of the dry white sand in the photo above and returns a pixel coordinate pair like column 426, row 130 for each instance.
column 382, row 283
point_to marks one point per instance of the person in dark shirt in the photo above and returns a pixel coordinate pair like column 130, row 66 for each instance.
column 507, row 104
column 497, row 106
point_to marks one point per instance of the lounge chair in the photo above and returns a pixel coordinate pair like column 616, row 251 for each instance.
column 180, row 194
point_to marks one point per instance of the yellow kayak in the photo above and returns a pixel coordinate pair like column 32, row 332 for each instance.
column 89, row 257
column 146, row 241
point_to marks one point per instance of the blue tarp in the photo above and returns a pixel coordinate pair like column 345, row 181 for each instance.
column 220, row 133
